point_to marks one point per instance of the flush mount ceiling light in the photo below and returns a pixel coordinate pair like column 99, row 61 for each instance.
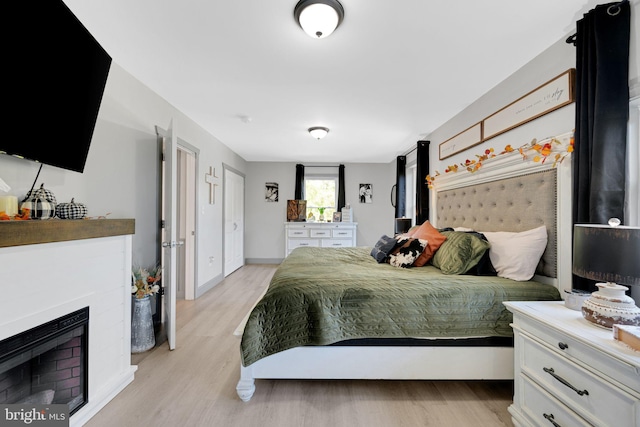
column 318, row 132
column 318, row 18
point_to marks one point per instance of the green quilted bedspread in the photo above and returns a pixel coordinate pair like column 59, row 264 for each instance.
column 320, row 296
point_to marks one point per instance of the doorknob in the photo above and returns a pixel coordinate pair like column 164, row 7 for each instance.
column 235, row 226
column 172, row 244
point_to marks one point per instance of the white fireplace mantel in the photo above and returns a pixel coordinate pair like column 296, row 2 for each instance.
column 54, row 267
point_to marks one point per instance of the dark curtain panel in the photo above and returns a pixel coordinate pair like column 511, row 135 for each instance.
column 422, row 189
column 299, row 182
column 341, row 197
column 602, row 110
column 401, row 186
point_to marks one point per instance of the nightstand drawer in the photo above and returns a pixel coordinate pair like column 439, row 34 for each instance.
column 601, row 402
column 298, row 232
column 540, row 408
column 297, row 243
column 342, row 233
column 576, row 350
column 320, row 233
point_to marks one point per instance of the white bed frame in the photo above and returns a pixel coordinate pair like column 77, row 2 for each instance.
column 422, row 363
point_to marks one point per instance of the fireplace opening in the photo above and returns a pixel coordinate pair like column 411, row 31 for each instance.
column 47, row 364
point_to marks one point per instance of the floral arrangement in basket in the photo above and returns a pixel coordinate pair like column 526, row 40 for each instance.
column 145, row 281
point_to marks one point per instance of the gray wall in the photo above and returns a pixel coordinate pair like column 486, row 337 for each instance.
column 121, row 173
column 556, row 59
column 264, row 225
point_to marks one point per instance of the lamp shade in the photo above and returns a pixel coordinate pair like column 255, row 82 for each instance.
column 318, row 18
column 402, row 225
column 607, row 254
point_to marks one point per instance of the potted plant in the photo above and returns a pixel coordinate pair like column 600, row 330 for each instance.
column 321, row 217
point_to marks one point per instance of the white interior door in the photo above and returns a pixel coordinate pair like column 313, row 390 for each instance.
column 169, row 243
column 233, row 221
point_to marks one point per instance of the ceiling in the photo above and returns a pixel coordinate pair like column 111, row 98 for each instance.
column 393, row 71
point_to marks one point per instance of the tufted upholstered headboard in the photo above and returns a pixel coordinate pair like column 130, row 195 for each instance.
column 516, row 203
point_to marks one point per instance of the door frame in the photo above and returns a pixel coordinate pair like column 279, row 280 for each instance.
column 225, row 168
column 185, row 147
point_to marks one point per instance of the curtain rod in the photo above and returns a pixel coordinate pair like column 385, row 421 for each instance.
column 323, row 166
column 572, row 38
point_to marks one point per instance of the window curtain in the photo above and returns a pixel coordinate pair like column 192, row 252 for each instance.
column 401, row 186
column 602, row 112
column 299, row 182
column 341, row 185
column 422, row 189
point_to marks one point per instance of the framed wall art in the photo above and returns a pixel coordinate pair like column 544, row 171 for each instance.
column 462, row 141
column 366, row 193
column 554, row 94
column 271, row 192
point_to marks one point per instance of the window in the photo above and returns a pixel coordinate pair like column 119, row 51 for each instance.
column 321, row 193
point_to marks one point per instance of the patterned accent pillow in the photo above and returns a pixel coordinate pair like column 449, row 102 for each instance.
column 407, row 251
column 460, row 252
column 383, row 248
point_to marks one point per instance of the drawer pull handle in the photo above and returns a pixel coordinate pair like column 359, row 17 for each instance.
column 551, row 372
column 563, row 346
column 550, row 418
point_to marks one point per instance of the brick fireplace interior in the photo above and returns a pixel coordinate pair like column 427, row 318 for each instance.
column 47, row 364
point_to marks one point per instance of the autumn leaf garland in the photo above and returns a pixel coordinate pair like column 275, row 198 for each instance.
column 541, row 151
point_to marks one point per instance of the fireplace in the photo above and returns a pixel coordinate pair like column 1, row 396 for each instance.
column 47, row 364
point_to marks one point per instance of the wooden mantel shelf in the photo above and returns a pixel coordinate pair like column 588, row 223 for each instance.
column 19, row 233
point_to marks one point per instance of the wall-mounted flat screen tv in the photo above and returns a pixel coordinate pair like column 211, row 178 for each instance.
column 57, row 73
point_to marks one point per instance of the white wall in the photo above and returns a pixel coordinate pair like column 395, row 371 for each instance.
column 264, row 226
column 121, row 173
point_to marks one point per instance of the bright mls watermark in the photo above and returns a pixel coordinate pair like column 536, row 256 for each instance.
column 34, row 415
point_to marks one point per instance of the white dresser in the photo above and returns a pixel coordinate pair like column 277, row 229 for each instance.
column 319, row 234
column 569, row 372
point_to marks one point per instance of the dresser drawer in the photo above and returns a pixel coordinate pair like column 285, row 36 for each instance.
column 542, row 409
column 576, row 350
column 601, row 402
column 297, row 243
column 322, row 233
column 298, row 232
column 342, row 233
column 336, row 243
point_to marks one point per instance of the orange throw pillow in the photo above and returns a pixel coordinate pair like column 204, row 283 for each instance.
column 429, row 233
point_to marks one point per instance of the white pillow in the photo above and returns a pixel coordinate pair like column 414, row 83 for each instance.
column 516, row 255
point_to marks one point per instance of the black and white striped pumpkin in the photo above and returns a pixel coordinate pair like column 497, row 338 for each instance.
column 41, row 203
column 71, row 210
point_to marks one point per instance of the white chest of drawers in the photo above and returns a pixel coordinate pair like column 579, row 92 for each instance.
column 569, row 372
column 319, row 234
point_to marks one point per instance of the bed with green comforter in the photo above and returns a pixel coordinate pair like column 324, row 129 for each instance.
column 320, row 296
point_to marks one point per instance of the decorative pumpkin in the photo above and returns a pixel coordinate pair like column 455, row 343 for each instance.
column 41, row 203
column 71, row 210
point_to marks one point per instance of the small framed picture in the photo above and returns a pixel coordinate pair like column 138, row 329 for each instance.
column 271, row 192
column 366, row 193
column 337, row 217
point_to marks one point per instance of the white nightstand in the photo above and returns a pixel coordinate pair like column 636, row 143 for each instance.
column 569, row 372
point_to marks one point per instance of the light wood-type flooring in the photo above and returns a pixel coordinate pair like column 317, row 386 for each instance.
column 194, row 385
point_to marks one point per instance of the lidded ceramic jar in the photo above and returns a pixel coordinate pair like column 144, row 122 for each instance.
column 609, row 305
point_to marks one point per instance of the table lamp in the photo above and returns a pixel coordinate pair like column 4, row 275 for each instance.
column 402, row 225
column 609, row 254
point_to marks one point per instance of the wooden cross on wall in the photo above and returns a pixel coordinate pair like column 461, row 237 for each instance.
column 211, row 179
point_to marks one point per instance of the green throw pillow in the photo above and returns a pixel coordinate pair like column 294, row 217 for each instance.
column 459, row 253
